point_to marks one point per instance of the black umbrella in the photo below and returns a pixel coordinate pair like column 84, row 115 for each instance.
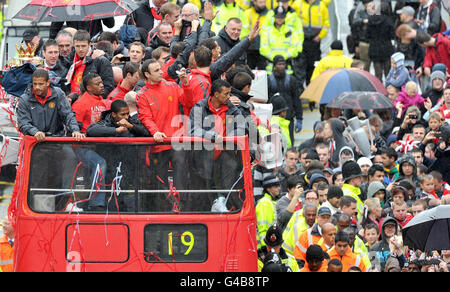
column 429, row 230
column 364, row 100
column 74, row 10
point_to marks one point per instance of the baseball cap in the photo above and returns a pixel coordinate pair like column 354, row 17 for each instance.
column 29, row 34
column 407, row 10
column 324, row 211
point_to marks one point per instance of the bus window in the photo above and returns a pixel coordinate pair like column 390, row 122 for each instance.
column 135, row 178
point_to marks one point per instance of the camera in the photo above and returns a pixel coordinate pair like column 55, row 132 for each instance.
column 413, row 117
column 428, row 262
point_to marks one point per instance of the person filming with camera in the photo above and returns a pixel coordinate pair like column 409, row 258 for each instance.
column 442, row 152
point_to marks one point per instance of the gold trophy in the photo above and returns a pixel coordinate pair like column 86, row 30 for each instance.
column 26, row 55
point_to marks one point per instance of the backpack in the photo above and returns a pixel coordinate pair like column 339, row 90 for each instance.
column 16, row 80
column 128, row 32
column 443, row 26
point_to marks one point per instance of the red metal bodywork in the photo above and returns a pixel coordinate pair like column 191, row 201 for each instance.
column 115, row 242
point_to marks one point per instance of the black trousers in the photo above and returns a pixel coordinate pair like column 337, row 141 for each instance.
column 166, row 166
column 304, row 63
column 255, row 60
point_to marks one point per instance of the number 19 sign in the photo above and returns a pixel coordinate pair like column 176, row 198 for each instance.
column 176, row 242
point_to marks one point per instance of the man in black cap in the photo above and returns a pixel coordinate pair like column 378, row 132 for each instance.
column 32, row 37
column 334, row 196
column 352, row 176
column 273, row 242
column 315, row 257
column 284, row 83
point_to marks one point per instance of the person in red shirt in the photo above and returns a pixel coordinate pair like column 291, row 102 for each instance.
column 89, row 107
column 130, row 73
column 437, row 50
column 158, row 104
column 399, row 209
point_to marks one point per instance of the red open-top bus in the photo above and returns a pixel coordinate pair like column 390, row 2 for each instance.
column 110, row 204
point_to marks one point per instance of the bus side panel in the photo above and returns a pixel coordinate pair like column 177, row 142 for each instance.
column 39, row 247
column 63, row 245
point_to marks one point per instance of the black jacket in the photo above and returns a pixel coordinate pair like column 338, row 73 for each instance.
column 412, row 51
column 380, row 251
column 286, row 85
column 201, row 121
column 227, row 44
column 433, row 94
column 154, row 43
column 218, row 67
column 49, row 118
column 380, row 34
column 106, row 127
column 442, row 162
column 58, row 76
column 93, row 27
column 358, row 27
column 142, row 16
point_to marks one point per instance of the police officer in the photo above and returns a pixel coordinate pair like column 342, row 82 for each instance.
column 265, row 208
column 278, row 38
column 273, row 241
column 315, row 19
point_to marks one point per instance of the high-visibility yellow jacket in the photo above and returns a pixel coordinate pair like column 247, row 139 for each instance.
column 360, row 249
column 296, row 226
column 314, row 17
column 252, row 16
column 227, row 11
column 283, row 125
column 1, row 27
column 284, row 41
column 354, row 192
column 292, row 20
column 334, row 60
column 244, row 4
column 265, row 216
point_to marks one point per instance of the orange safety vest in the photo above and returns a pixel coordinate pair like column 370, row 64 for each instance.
column 6, row 255
column 348, row 260
column 309, row 237
column 323, row 268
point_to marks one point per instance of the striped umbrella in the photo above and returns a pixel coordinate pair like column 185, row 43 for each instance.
column 74, row 10
column 332, row 83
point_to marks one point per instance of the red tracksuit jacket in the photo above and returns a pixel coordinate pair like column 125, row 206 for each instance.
column 440, row 53
column 199, row 88
column 158, row 109
column 88, row 109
